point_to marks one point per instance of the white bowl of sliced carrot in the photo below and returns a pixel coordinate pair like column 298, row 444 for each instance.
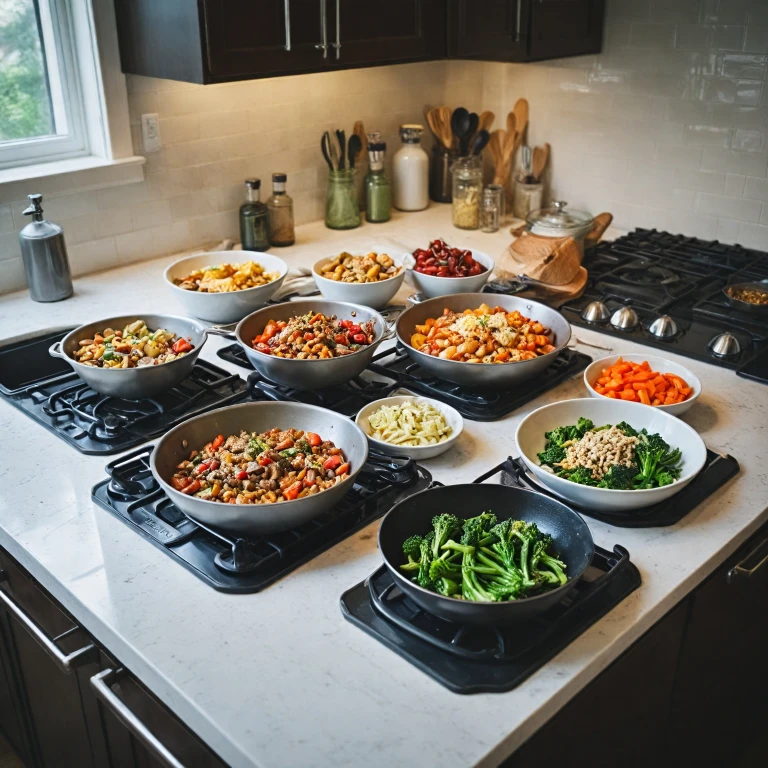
column 644, row 379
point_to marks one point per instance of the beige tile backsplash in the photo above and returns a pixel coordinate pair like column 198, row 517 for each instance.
column 667, row 128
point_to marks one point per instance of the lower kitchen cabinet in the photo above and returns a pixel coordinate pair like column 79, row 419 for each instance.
column 720, row 701
column 618, row 719
column 64, row 702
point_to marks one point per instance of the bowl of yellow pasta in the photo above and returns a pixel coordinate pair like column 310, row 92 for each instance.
column 225, row 286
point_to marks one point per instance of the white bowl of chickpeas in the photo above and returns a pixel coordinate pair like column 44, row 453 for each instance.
column 369, row 278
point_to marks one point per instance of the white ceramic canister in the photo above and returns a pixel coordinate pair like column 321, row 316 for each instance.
column 410, row 171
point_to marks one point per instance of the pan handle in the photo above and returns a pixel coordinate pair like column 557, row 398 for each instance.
column 227, row 331
column 55, row 350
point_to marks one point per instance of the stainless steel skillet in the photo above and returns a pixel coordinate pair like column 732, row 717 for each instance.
column 258, row 519
column 134, row 383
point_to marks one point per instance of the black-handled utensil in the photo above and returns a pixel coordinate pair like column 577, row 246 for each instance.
column 354, row 149
column 341, row 138
column 474, row 124
column 324, row 148
column 480, row 142
column 460, row 126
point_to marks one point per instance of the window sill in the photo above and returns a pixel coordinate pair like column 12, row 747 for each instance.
column 65, row 176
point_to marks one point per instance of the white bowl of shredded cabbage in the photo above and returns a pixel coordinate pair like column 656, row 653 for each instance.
column 407, row 425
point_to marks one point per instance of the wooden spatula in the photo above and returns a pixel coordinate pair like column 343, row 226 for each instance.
column 521, row 117
column 445, row 126
column 540, row 159
column 359, row 130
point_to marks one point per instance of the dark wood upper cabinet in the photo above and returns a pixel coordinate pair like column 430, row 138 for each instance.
column 524, row 30
column 399, row 30
column 215, row 41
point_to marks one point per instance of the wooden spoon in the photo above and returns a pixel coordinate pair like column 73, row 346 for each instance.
column 540, row 159
column 486, row 121
column 445, row 126
column 521, row 116
column 496, row 148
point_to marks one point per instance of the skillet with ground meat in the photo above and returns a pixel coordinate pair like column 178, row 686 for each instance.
column 261, row 468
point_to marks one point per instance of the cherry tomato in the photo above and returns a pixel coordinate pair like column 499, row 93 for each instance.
column 313, row 439
column 241, row 475
column 360, row 338
column 264, row 460
column 341, row 338
column 332, row 462
column 182, row 345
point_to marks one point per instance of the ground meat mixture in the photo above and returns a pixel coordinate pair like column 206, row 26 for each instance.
column 599, row 451
column 253, row 468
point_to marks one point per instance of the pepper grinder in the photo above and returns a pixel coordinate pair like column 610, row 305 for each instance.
column 44, row 253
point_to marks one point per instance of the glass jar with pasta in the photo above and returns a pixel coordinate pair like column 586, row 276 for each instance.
column 467, row 191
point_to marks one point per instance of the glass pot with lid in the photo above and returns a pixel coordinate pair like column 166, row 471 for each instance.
column 561, row 221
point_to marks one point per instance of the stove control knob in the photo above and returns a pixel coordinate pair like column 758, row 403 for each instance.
column 663, row 327
column 596, row 312
column 724, row 345
column 625, row 319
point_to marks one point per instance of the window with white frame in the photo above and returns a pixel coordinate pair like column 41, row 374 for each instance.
column 41, row 105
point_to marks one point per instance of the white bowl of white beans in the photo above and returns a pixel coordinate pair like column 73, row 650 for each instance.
column 334, row 280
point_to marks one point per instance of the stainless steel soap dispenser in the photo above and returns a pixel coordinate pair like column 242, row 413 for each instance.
column 44, row 253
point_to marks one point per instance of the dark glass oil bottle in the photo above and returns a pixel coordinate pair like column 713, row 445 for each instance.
column 254, row 219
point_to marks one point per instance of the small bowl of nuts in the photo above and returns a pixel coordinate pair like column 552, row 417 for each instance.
column 371, row 279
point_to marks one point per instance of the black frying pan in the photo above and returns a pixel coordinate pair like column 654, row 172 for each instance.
column 572, row 541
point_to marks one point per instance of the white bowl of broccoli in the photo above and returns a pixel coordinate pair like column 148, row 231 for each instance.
column 609, row 455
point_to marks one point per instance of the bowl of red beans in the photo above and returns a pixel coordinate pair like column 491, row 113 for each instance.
column 442, row 270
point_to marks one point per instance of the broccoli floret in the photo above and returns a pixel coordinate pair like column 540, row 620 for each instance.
column 580, row 475
column 584, row 425
column 527, row 533
column 552, row 454
column 656, row 461
column 412, row 550
column 412, row 547
column 618, row 477
column 505, row 545
column 447, row 587
column 445, row 526
column 561, row 435
column 423, row 578
column 628, row 430
column 665, row 478
column 441, row 568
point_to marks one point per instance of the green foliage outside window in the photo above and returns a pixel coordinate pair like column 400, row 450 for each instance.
column 25, row 109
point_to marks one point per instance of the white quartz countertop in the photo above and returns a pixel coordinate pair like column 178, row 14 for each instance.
column 279, row 678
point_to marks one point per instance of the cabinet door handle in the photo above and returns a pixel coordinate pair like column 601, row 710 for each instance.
column 287, row 25
column 65, row 661
column 337, row 44
column 323, row 29
column 101, row 685
column 518, row 20
column 740, row 572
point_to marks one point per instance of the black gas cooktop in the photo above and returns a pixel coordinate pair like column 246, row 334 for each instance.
column 658, row 274
column 232, row 563
column 393, row 369
column 51, row 393
column 468, row 659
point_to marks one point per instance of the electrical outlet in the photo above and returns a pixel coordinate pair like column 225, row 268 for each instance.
column 150, row 132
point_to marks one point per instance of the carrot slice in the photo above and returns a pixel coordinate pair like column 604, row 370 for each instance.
column 644, row 397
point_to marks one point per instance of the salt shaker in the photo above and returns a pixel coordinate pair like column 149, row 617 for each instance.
column 44, row 254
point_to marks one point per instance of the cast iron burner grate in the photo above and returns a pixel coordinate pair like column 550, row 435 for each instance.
column 53, row 395
column 718, row 470
column 393, row 369
column 242, row 565
column 467, row 659
column 658, row 273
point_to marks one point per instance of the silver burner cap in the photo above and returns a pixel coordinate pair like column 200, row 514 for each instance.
column 596, row 312
column 724, row 345
column 663, row 327
column 625, row 318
